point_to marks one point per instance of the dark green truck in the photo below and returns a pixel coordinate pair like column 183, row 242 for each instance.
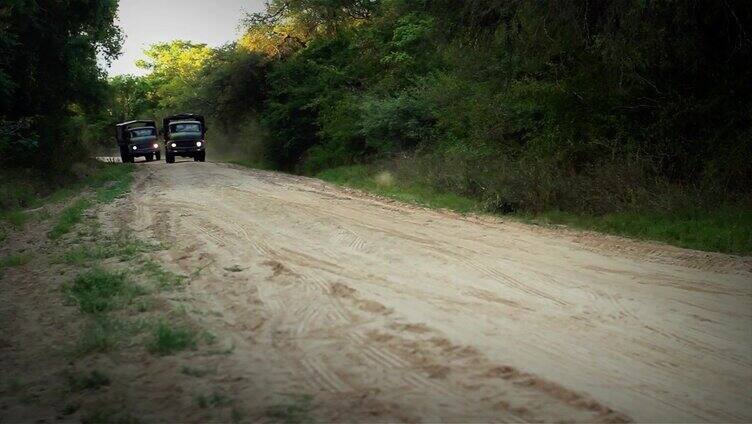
column 185, row 136
column 138, row 139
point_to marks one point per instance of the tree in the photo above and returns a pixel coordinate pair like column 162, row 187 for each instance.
column 132, row 98
column 174, row 72
column 49, row 69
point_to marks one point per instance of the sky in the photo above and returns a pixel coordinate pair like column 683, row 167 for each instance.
column 146, row 22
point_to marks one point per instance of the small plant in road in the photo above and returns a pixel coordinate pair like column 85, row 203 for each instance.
column 168, row 338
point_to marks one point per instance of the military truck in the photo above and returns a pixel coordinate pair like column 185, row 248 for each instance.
column 138, row 138
column 185, row 136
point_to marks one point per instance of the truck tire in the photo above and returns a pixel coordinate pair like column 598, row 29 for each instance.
column 158, row 156
column 124, row 154
column 169, row 158
column 149, row 157
column 202, row 157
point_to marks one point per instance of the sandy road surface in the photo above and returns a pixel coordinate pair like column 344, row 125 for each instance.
column 385, row 311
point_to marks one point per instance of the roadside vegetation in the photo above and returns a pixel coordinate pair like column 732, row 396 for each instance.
column 52, row 92
column 13, row 261
column 121, row 307
column 726, row 229
column 25, row 195
column 385, row 183
column 125, row 301
column 625, row 117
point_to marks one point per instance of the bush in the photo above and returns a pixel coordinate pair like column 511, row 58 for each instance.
column 101, row 291
column 394, row 124
column 168, row 338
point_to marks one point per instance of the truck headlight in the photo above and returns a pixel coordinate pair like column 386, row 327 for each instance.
column 156, row 146
column 198, row 144
column 135, row 148
column 174, row 145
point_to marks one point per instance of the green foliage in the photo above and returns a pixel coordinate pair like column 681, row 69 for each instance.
column 168, row 338
column 585, row 92
column 385, row 184
column 13, row 261
column 725, row 229
column 122, row 245
column 100, row 334
column 119, row 185
column 68, row 218
column 132, row 98
column 394, row 124
column 161, row 278
column 522, row 106
column 175, row 69
column 49, row 71
column 109, row 181
column 231, row 86
column 99, row 291
column 25, row 189
column 80, row 255
column 299, row 88
column 16, row 195
column 15, row 218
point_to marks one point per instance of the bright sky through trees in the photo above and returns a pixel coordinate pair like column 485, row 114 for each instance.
column 147, row 22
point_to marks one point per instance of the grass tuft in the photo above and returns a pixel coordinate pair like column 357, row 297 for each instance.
column 101, row 334
column 162, row 278
column 100, row 291
column 16, row 218
column 168, row 338
column 14, row 261
column 116, row 189
column 81, row 255
column 70, row 216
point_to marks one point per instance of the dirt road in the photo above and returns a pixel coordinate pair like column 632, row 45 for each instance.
column 380, row 310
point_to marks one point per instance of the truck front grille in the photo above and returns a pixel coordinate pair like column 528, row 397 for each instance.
column 186, row 143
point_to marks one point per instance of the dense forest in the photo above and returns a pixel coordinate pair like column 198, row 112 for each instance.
column 51, row 78
column 525, row 105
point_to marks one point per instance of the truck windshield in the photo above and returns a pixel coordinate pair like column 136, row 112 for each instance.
column 180, row 128
column 145, row 132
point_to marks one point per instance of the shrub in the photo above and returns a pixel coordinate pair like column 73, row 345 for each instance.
column 168, row 338
column 99, row 291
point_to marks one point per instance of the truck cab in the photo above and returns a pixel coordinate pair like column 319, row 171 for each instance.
column 185, row 136
column 138, row 139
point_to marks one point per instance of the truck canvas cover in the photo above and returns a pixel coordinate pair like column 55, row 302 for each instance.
column 122, row 128
column 182, row 117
